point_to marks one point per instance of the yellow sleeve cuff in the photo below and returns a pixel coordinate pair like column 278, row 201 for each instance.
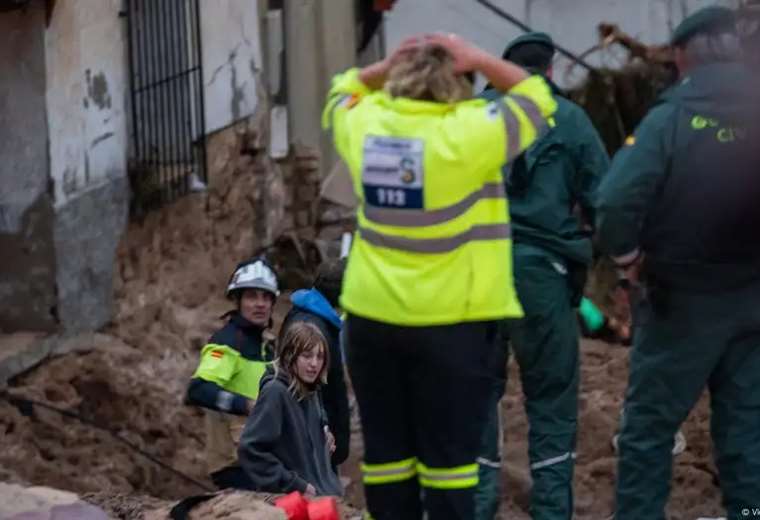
column 349, row 83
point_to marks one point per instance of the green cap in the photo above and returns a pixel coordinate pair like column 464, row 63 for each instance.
column 531, row 37
column 708, row 20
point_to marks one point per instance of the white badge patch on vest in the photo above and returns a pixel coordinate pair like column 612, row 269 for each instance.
column 393, row 172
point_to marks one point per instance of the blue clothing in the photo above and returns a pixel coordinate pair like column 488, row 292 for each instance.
column 311, row 300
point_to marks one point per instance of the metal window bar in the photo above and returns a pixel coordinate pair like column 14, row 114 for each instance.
column 168, row 125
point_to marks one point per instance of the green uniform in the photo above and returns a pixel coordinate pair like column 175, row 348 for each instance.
column 685, row 194
column 552, row 189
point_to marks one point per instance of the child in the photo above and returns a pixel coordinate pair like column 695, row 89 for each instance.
column 286, row 445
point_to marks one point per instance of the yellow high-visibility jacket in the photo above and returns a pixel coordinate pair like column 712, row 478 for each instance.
column 228, row 376
column 433, row 242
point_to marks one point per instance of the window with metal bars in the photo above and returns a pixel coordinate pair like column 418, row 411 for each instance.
column 168, row 146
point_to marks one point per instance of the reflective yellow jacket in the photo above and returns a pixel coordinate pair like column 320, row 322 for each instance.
column 433, row 242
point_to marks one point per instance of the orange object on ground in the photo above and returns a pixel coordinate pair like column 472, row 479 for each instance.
column 324, row 509
column 294, row 505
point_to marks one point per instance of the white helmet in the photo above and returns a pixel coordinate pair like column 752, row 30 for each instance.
column 254, row 274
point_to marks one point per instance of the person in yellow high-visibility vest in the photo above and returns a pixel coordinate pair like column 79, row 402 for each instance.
column 232, row 364
column 429, row 274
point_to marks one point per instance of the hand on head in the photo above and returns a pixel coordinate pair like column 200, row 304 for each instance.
column 466, row 55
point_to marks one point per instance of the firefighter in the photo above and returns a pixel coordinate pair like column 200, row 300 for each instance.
column 429, row 275
column 552, row 195
column 226, row 382
column 679, row 215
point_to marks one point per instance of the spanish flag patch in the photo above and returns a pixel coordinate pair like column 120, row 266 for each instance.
column 217, row 354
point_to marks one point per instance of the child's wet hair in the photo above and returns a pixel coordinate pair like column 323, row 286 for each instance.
column 301, row 337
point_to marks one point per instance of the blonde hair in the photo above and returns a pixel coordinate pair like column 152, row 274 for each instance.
column 427, row 74
column 300, row 337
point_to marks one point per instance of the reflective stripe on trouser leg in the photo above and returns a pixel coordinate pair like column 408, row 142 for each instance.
column 552, row 461
column 389, row 472
column 460, row 477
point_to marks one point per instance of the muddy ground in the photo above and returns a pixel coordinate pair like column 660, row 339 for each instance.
column 604, row 374
column 136, row 385
column 169, row 284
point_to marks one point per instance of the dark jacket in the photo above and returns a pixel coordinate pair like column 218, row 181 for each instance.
column 309, row 305
column 685, row 191
column 283, row 446
column 245, row 337
column 559, row 173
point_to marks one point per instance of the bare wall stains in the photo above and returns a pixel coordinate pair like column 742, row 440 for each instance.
column 86, row 232
column 99, row 139
column 87, row 168
column 238, row 95
column 97, row 89
column 27, row 271
column 230, row 43
column 23, row 124
column 69, row 184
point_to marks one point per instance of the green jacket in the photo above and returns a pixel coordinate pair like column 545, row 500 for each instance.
column 685, row 189
column 555, row 178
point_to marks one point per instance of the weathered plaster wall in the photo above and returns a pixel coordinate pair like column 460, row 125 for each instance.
column 231, row 58
column 27, row 272
column 86, row 93
column 320, row 41
column 87, row 85
column 571, row 23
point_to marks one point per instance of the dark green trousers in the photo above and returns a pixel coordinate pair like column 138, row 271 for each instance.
column 488, row 492
column 684, row 343
column 545, row 345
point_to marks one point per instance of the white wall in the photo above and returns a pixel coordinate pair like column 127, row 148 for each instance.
column 86, row 89
column 572, row 23
column 231, row 56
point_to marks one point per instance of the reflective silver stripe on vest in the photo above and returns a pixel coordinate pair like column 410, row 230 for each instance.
column 532, row 111
column 409, row 218
column 513, row 130
column 389, row 472
column 446, row 477
column 436, row 245
column 513, row 123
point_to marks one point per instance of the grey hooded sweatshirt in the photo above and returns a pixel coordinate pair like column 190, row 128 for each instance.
column 283, row 446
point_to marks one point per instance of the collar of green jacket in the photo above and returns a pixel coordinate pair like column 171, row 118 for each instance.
column 720, row 90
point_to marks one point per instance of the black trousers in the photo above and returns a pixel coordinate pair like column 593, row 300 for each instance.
column 232, row 477
column 423, row 395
